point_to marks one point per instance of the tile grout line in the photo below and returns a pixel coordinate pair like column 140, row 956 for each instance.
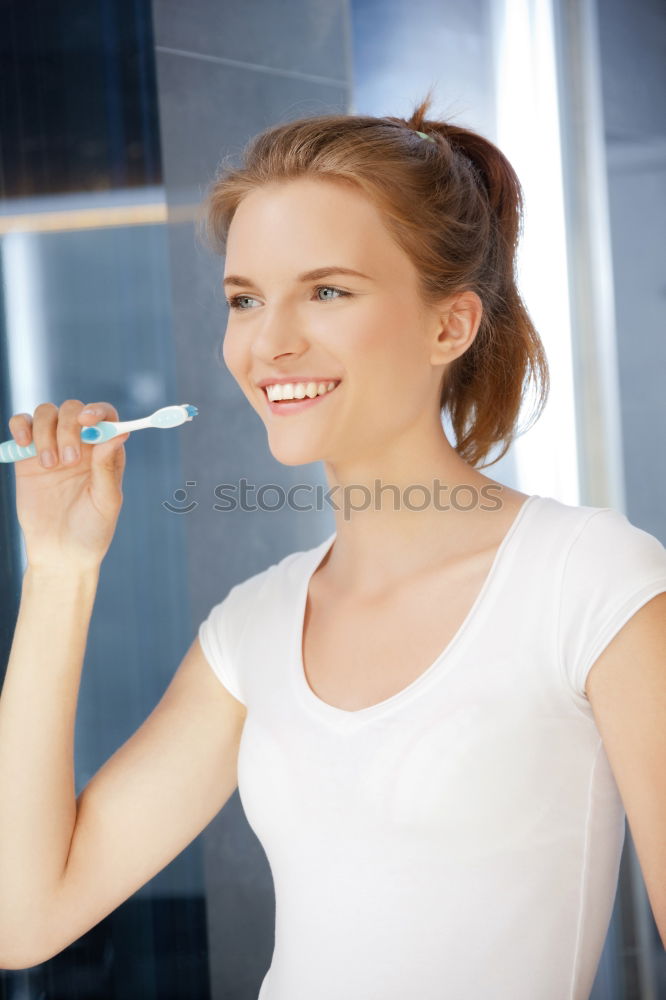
column 223, row 60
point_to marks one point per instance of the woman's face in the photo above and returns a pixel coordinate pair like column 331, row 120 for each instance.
column 368, row 334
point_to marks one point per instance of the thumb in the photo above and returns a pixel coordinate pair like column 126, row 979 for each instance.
column 107, row 464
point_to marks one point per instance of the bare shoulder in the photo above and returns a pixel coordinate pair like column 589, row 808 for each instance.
column 493, row 522
column 508, row 500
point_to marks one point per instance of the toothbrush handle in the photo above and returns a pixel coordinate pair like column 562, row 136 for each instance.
column 10, row 451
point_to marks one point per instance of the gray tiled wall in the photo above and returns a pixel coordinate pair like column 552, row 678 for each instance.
column 633, row 63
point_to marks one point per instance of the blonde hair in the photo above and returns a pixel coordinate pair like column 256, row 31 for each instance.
column 455, row 207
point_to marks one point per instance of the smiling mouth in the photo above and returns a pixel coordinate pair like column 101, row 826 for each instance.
column 299, row 399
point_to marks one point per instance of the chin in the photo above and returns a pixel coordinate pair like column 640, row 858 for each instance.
column 296, row 455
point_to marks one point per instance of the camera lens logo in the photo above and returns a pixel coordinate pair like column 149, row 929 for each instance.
column 179, row 496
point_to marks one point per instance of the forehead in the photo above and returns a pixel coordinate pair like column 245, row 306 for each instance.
column 306, row 222
column 306, row 195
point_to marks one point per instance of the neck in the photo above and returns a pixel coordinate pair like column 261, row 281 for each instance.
column 409, row 508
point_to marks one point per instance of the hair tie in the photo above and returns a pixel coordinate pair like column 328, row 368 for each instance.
column 423, row 135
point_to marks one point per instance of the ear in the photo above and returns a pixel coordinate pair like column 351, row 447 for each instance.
column 457, row 321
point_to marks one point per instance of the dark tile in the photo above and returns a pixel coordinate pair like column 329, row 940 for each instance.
column 300, row 36
column 210, row 109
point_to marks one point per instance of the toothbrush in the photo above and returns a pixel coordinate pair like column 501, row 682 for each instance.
column 168, row 416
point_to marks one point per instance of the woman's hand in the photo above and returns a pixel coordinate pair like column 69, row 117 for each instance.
column 68, row 511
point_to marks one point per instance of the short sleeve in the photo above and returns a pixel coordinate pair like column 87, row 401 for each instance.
column 612, row 568
column 214, row 635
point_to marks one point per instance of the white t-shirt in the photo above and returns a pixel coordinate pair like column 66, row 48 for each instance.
column 462, row 838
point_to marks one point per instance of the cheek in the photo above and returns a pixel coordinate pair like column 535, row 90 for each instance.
column 237, row 358
column 386, row 345
column 234, row 354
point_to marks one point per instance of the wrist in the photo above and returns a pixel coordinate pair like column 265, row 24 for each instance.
column 62, row 573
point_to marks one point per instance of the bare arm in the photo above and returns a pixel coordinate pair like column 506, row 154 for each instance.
column 37, row 713
column 66, row 864
column 626, row 687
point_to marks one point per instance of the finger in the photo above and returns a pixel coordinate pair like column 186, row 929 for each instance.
column 20, row 425
column 103, row 411
column 68, row 433
column 44, row 425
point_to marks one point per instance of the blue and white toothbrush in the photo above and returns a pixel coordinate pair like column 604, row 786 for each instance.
column 168, row 416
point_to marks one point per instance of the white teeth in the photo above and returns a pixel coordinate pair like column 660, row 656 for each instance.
column 298, row 390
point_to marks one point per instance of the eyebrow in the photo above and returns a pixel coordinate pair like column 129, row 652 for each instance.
column 320, row 272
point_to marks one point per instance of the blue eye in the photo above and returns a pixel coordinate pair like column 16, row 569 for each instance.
column 234, row 301
column 330, row 288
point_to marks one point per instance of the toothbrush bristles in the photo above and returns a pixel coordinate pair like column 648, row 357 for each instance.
column 192, row 411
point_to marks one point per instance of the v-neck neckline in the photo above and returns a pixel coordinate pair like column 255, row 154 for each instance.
column 342, row 718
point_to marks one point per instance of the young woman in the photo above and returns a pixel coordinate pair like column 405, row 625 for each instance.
column 438, row 717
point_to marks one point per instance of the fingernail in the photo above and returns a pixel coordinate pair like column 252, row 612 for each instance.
column 47, row 459
column 95, row 412
column 70, row 454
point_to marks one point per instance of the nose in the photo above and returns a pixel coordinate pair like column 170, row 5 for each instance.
column 278, row 335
